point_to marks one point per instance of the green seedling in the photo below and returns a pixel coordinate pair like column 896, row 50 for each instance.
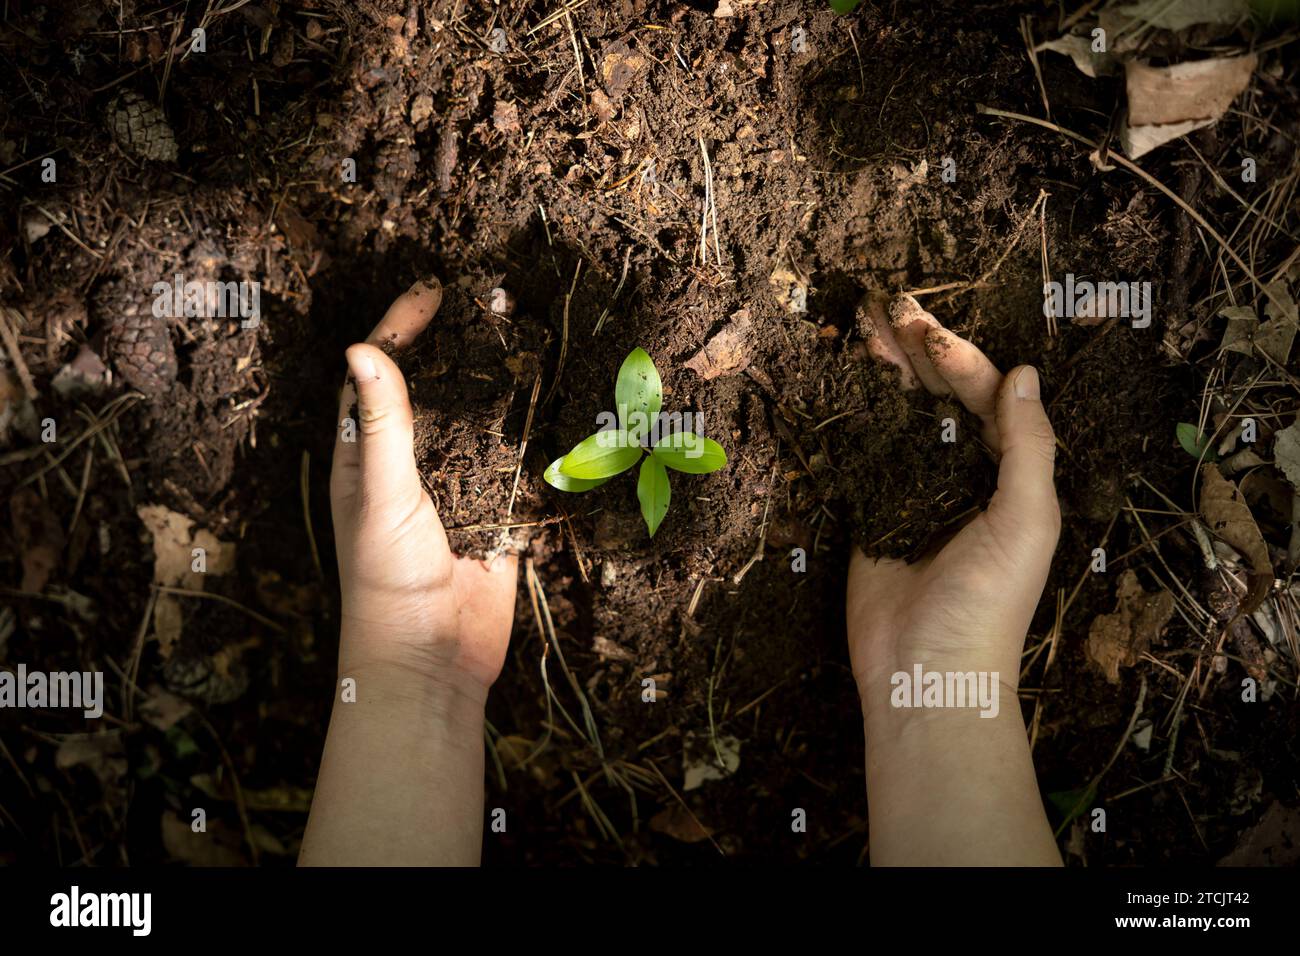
column 633, row 437
column 844, row 6
column 1195, row 442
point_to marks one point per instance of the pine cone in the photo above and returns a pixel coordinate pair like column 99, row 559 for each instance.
column 141, row 348
column 140, row 128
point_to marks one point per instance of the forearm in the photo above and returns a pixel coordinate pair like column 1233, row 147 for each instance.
column 947, row 787
column 401, row 779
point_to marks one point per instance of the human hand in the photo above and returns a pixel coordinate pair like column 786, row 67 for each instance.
column 409, row 605
column 968, row 606
column 424, row 634
column 945, row 787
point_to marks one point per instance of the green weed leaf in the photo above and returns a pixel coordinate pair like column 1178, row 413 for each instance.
column 602, row 455
column 1194, row 442
column 689, row 452
column 558, row 479
column 653, row 491
column 1071, row 803
column 638, row 393
column 844, row 6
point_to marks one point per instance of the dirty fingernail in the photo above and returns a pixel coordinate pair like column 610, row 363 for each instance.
column 427, row 284
column 1026, row 383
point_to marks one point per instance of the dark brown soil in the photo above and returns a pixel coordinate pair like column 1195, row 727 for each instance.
column 516, row 170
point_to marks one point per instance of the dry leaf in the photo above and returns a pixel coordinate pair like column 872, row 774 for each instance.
column 1228, row 516
column 103, row 754
column 677, row 823
column 1240, row 330
column 620, row 68
column 1079, row 49
column 174, row 558
column 700, row 759
column 1286, row 452
column 726, row 352
column 1181, row 14
column 164, row 710
column 1276, row 336
column 1165, row 102
column 1119, row 640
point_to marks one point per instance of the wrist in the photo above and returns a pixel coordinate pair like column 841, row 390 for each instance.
column 416, row 675
column 928, row 690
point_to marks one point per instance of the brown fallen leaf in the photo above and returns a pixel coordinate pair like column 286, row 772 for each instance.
column 620, row 67
column 680, row 825
column 174, row 544
column 102, row 754
column 1228, row 516
column 1183, row 15
column 1286, row 452
column 1165, row 102
column 1079, row 48
column 726, row 353
column 164, row 710
column 1119, row 640
column 1276, row 336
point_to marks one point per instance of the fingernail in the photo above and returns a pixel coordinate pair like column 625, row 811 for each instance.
column 362, row 366
column 1026, row 383
column 427, row 284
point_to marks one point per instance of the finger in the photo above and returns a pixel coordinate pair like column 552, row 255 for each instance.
column 347, row 451
column 873, row 322
column 385, row 431
column 409, row 315
column 1026, row 496
column 911, row 323
column 973, row 378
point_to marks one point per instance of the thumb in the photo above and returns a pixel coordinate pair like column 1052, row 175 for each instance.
column 387, row 433
column 1025, row 504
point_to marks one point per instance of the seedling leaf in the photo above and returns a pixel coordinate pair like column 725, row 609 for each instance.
column 558, row 479
column 638, row 393
column 689, row 452
column 653, row 491
column 844, row 6
column 602, row 455
column 1194, row 442
column 1070, row 803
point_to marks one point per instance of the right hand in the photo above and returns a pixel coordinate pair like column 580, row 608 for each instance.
column 968, row 606
column 409, row 604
